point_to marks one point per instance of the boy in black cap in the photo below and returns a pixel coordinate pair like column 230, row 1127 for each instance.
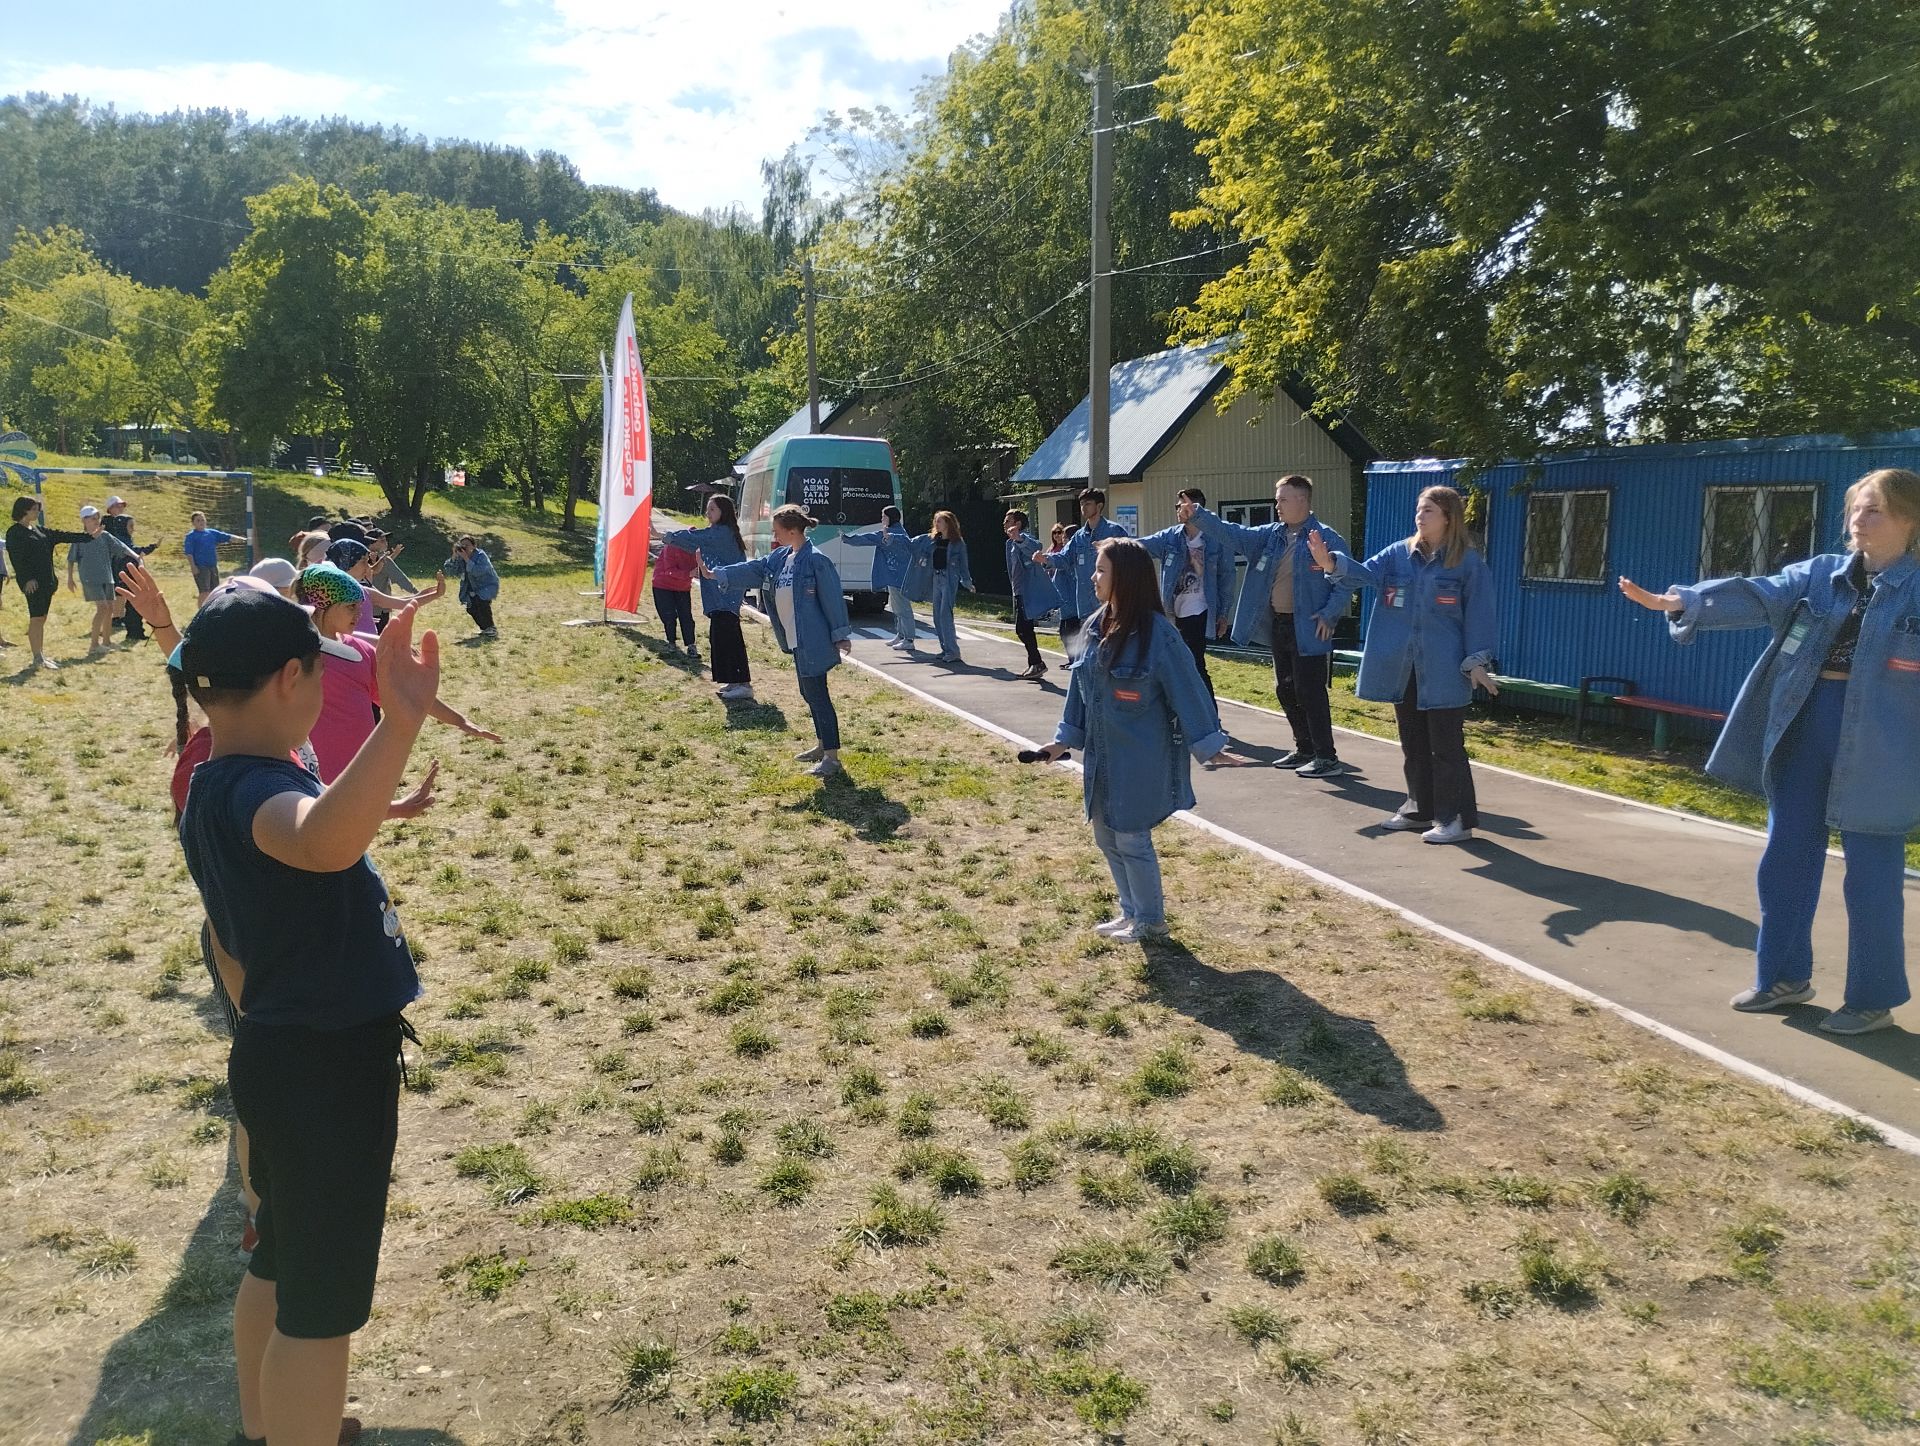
column 281, row 866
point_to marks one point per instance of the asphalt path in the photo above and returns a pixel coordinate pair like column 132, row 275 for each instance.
column 1645, row 908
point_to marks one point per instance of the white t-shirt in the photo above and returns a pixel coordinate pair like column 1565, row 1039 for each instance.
column 783, row 606
column 1190, row 592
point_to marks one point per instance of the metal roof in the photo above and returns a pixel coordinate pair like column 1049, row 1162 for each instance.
column 796, row 426
column 1151, row 396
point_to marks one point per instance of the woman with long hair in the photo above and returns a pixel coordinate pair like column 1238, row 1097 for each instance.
column 1136, row 709
column 938, row 573
column 721, row 544
column 1827, row 730
column 1429, row 644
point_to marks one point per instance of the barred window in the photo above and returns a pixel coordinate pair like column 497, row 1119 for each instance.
column 1567, row 536
column 1247, row 514
column 1749, row 531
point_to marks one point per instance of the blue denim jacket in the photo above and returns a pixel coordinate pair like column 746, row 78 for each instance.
column 819, row 606
column 890, row 564
column 922, row 579
column 1075, row 562
column 1136, row 719
column 1433, row 622
column 717, row 546
column 1315, row 594
column 1029, row 580
column 476, row 574
column 1169, row 547
column 1876, row 776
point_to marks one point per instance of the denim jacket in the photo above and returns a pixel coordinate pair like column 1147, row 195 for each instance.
column 716, row 544
column 1433, row 623
column 819, row 606
column 1316, row 595
column 1029, row 580
column 890, row 564
column 1876, row 775
column 1136, row 718
column 478, row 580
column 1075, row 562
column 1169, row 547
column 922, row 579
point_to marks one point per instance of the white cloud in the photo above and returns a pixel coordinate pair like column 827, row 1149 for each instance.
column 263, row 90
column 690, row 98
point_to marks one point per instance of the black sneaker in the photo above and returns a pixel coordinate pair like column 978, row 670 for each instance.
column 1299, row 758
column 1321, row 768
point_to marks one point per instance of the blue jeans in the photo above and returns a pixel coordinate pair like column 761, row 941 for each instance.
column 904, row 627
column 943, row 618
column 1136, row 872
column 1795, row 859
column 826, row 722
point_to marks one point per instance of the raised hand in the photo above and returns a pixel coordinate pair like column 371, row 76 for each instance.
column 1317, row 546
column 409, row 677
column 143, row 594
column 1659, row 602
column 420, row 800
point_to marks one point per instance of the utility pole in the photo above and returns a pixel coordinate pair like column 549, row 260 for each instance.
column 813, row 369
column 1100, row 322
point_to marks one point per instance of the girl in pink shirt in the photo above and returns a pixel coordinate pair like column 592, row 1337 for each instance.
column 350, row 691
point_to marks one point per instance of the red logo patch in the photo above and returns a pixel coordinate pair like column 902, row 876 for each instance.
column 1127, row 696
column 1905, row 665
column 1447, row 602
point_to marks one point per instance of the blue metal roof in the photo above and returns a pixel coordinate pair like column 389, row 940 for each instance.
column 1152, row 398
column 796, row 426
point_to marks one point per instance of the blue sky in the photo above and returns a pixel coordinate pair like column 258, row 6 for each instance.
column 687, row 98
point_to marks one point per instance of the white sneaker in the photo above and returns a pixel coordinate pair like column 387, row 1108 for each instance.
column 898, row 644
column 1119, row 923
column 810, row 755
column 826, row 768
column 41, row 660
column 1405, row 823
column 1136, row 933
column 737, row 693
column 1452, row 831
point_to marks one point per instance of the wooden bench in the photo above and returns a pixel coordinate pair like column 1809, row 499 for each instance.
column 1664, row 713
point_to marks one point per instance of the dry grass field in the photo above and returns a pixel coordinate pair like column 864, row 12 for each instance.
column 756, row 1110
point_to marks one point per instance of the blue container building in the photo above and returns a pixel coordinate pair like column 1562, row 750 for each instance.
column 1559, row 530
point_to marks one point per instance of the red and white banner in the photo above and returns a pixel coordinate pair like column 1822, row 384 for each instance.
column 626, row 475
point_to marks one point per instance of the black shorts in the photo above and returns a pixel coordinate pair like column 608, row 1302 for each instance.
column 40, row 600
column 322, row 1110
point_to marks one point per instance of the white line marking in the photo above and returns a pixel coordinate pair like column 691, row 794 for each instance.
column 1595, row 793
column 1897, row 1138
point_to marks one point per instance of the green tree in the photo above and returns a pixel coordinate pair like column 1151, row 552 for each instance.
column 1506, row 225
column 376, row 322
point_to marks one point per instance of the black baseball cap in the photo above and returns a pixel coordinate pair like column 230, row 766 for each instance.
column 242, row 633
column 348, row 528
column 317, row 522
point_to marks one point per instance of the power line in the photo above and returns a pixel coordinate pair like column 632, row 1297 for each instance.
column 913, row 378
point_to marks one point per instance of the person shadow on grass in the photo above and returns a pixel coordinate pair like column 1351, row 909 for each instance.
column 871, row 814
column 1267, row 1015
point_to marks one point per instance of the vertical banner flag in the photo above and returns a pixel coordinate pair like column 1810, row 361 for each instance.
column 629, row 510
column 606, row 463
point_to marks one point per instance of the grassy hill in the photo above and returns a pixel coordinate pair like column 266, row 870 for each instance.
column 754, row 1110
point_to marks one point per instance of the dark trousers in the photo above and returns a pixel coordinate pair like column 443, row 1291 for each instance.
column 826, row 722
column 136, row 625
column 1068, row 627
column 1434, row 745
column 1194, row 631
column 728, row 649
column 1023, row 629
column 675, row 606
column 1300, row 682
column 481, row 611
